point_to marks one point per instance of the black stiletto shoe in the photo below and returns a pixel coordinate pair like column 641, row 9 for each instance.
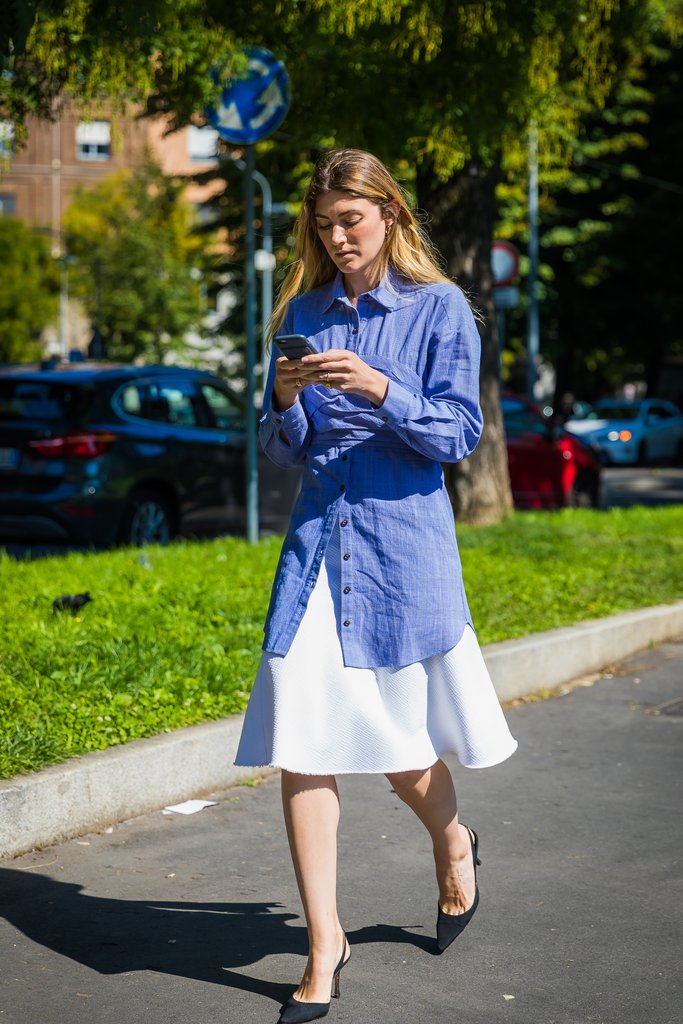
column 449, row 926
column 294, row 1011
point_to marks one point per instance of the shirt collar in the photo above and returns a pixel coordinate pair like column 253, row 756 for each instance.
column 391, row 292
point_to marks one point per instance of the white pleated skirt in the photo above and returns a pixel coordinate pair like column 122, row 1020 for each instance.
column 311, row 714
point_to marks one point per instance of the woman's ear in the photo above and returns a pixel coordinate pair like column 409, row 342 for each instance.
column 390, row 214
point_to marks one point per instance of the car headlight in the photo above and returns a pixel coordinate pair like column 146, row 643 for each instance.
column 619, row 435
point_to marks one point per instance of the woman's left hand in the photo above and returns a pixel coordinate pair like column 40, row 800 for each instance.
column 338, row 368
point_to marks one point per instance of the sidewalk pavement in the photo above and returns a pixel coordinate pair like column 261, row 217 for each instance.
column 196, row 919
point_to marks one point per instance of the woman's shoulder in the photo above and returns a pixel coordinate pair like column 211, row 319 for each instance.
column 442, row 295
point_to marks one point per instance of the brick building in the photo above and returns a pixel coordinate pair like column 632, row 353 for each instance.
column 38, row 181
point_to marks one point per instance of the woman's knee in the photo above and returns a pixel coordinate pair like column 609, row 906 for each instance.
column 404, row 783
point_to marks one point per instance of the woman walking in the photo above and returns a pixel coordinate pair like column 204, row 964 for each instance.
column 370, row 660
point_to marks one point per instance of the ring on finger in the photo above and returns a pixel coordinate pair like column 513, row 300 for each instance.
column 298, row 383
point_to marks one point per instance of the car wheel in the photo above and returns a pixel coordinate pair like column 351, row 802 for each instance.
column 641, row 459
column 148, row 519
column 584, row 492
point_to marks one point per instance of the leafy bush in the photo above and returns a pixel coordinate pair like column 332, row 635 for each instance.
column 173, row 635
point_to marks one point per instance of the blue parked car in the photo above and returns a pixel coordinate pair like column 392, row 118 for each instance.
column 632, row 433
column 102, row 454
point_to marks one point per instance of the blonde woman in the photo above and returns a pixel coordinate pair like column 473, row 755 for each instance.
column 370, row 661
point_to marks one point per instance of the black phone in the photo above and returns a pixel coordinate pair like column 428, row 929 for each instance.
column 294, row 346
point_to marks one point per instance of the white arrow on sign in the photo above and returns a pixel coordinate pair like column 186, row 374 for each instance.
column 272, row 99
column 229, row 117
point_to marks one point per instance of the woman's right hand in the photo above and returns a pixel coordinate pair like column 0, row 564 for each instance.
column 291, row 377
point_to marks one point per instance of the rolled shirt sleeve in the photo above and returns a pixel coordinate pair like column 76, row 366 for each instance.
column 445, row 421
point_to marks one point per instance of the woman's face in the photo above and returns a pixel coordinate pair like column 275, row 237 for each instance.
column 352, row 230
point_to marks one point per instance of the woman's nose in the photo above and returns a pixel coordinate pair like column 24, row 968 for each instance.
column 338, row 234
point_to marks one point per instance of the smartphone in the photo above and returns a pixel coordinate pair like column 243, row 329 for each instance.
column 294, row 346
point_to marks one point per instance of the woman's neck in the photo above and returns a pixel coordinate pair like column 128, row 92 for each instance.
column 360, row 282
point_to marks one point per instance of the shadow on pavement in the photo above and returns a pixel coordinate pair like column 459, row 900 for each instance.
column 201, row 941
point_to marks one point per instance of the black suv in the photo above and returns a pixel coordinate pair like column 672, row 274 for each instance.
column 102, row 454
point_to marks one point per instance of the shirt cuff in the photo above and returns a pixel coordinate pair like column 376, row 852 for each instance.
column 396, row 406
column 292, row 421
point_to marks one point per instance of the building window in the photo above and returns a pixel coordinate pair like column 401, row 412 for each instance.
column 8, row 204
column 6, row 139
column 202, row 144
column 93, row 140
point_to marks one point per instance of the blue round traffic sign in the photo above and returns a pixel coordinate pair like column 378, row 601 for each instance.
column 252, row 107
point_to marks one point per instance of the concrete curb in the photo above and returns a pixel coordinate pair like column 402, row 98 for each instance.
column 90, row 792
column 546, row 660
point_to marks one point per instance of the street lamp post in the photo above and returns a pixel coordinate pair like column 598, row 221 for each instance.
column 250, row 329
column 64, row 307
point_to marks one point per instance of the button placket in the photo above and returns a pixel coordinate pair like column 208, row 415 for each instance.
column 346, row 562
column 354, row 328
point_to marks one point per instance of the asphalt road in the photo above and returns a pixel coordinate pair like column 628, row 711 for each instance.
column 164, row 920
column 651, row 485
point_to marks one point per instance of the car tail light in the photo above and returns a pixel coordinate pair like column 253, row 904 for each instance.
column 75, row 446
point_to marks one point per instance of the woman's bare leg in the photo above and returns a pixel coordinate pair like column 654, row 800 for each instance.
column 431, row 795
column 311, row 809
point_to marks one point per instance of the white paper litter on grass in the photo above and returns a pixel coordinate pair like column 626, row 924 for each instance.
column 190, row 806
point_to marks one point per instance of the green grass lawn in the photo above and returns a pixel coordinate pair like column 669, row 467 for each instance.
column 173, row 635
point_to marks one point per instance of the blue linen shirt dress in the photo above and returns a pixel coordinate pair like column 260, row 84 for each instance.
column 370, row 661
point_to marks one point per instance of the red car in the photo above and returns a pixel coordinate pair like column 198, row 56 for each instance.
column 549, row 467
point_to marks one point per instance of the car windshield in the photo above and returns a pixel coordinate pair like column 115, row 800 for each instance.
column 615, row 412
column 46, row 401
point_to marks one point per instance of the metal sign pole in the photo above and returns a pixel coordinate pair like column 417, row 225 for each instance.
column 247, row 109
column 532, row 331
column 250, row 331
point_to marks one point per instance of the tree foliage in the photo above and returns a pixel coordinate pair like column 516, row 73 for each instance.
column 128, row 50
column 444, row 92
column 28, row 295
column 134, row 255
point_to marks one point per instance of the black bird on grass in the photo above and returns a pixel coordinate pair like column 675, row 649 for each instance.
column 71, row 602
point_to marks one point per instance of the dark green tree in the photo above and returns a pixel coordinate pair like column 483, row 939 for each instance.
column 28, row 293
column 610, row 224
column 137, row 263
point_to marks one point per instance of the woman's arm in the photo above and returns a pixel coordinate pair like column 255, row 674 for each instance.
column 284, row 428
column 445, row 421
column 284, row 434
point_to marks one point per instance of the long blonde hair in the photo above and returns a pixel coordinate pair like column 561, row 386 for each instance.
column 362, row 175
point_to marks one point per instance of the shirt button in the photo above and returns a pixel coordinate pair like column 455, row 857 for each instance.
column 278, row 421
column 345, row 458
column 341, row 487
column 384, row 419
column 344, row 522
column 355, row 330
column 347, row 590
column 347, row 556
column 347, row 622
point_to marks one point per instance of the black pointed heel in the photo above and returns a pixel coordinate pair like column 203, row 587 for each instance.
column 449, row 926
column 294, row 1011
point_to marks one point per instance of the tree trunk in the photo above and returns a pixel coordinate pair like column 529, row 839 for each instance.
column 461, row 220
